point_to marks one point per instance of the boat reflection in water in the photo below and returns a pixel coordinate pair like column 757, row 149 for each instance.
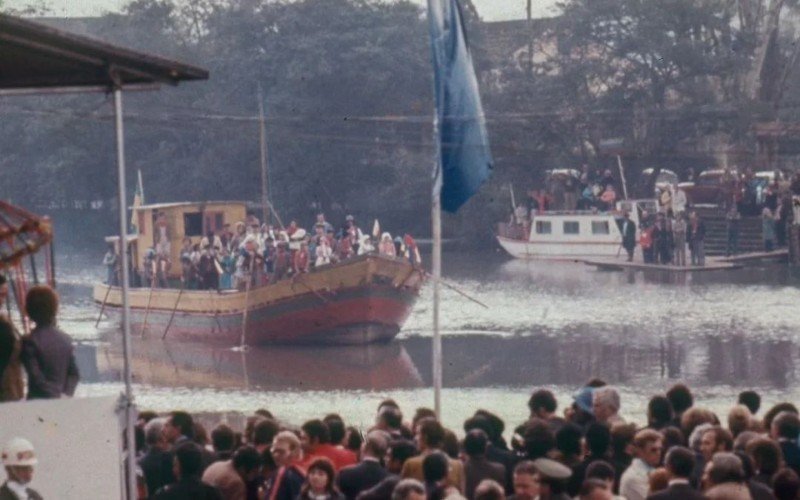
column 567, row 358
column 194, row 365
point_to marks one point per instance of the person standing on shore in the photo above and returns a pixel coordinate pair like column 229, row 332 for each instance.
column 696, row 235
column 679, row 227
column 628, row 235
column 47, row 352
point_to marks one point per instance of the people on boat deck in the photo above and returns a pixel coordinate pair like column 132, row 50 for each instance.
column 111, row 261
column 257, row 253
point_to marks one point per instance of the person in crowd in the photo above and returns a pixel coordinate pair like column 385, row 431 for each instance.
column 604, row 472
column 538, row 439
column 696, row 235
column 19, row 459
column 477, row 467
column 409, row 489
column 768, row 229
column 679, row 463
column 622, row 450
column 679, row 227
column 785, row 429
column 354, row 479
column 733, row 221
column 634, row 483
column 223, row 440
column 568, row 444
column 597, row 440
column 156, row 463
column 739, row 420
column 47, row 353
column 287, row 480
column 302, row 259
column 751, row 399
column 111, row 261
column 316, row 443
column 320, row 483
column 659, row 480
column 594, row 489
column 324, row 253
column 767, row 459
column 659, row 413
column 228, row 265
column 715, row 440
column 231, row 476
column 787, row 485
column 552, row 477
column 489, row 490
column 646, row 242
column 178, row 428
column 434, row 471
column 430, row 438
column 386, row 246
column 628, row 235
column 187, row 467
column 526, row 481
column 400, row 450
column 608, row 198
column 680, row 396
column 605, row 406
column 12, row 385
column 723, row 478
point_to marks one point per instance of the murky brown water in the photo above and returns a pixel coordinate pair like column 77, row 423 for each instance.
column 547, row 324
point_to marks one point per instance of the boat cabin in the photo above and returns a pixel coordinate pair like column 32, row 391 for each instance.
column 178, row 220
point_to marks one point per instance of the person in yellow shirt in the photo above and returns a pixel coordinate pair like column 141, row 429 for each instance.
column 430, row 437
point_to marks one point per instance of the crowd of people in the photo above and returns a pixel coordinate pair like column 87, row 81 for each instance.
column 255, row 254
column 588, row 452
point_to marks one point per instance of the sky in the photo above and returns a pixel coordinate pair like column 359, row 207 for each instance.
column 490, row 10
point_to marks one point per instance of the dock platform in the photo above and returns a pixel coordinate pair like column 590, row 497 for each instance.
column 779, row 255
column 621, row 265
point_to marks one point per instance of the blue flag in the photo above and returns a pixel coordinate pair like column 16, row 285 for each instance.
column 466, row 161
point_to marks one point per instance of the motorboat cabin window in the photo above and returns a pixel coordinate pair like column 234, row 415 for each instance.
column 600, row 227
column 572, row 227
column 193, row 224
column 543, row 227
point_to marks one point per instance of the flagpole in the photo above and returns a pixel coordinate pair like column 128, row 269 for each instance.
column 141, row 187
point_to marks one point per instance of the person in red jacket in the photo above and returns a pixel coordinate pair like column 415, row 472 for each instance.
column 302, row 260
column 316, row 443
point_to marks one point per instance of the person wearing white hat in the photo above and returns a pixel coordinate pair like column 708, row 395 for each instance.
column 19, row 458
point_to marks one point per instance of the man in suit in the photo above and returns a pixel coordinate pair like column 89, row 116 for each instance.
column 785, row 429
column 354, row 479
column 477, row 467
column 628, row 235
column 430, row 437
column 187, row 467
column 156, row 463
column 680, row 464
column 19, row 459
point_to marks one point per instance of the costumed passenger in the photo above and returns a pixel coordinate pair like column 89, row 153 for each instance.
column 323, row 253
column 386, row 246
column 111, row 261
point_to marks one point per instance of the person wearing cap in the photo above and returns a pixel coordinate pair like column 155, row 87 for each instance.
column 19, row 458
column 552, row 477
column 327, row 226
column 635, row 484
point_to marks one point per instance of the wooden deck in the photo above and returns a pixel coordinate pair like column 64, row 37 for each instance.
column 780, row 255
column 621, row 265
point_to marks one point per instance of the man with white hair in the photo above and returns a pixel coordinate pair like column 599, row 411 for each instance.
column 156, row 464
column 19, row 459
column 605, row 406
column 285, row 483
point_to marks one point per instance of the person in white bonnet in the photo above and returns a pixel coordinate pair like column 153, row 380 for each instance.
column 19, row 458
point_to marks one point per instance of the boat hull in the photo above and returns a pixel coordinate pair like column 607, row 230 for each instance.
column 568, row 250
column 360, row 301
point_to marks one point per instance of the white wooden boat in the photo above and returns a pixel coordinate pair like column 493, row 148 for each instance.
column 572, row 235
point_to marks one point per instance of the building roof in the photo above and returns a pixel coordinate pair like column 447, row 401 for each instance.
column 177, row 204
column 36, row 56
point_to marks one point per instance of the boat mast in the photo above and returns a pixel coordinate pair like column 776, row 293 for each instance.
column 264, row 167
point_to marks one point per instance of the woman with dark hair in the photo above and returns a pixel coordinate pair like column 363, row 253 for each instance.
column 320, row 482
column 47, row 352
column 353, row 440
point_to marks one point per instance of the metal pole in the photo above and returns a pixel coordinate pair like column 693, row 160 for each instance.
column 437, row 274
column 263, row 147
column 126, row 309
column 622, row 177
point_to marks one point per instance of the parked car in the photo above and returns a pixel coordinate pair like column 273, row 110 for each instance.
column 715, row 187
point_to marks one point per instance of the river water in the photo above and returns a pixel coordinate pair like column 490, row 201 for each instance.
column 546, row 324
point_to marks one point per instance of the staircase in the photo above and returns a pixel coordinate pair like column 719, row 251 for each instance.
column 750, row 238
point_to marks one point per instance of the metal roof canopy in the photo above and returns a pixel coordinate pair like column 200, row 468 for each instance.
column 35, row 56
column 38, row 59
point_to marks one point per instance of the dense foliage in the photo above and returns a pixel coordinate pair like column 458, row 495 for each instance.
column 347, row 91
